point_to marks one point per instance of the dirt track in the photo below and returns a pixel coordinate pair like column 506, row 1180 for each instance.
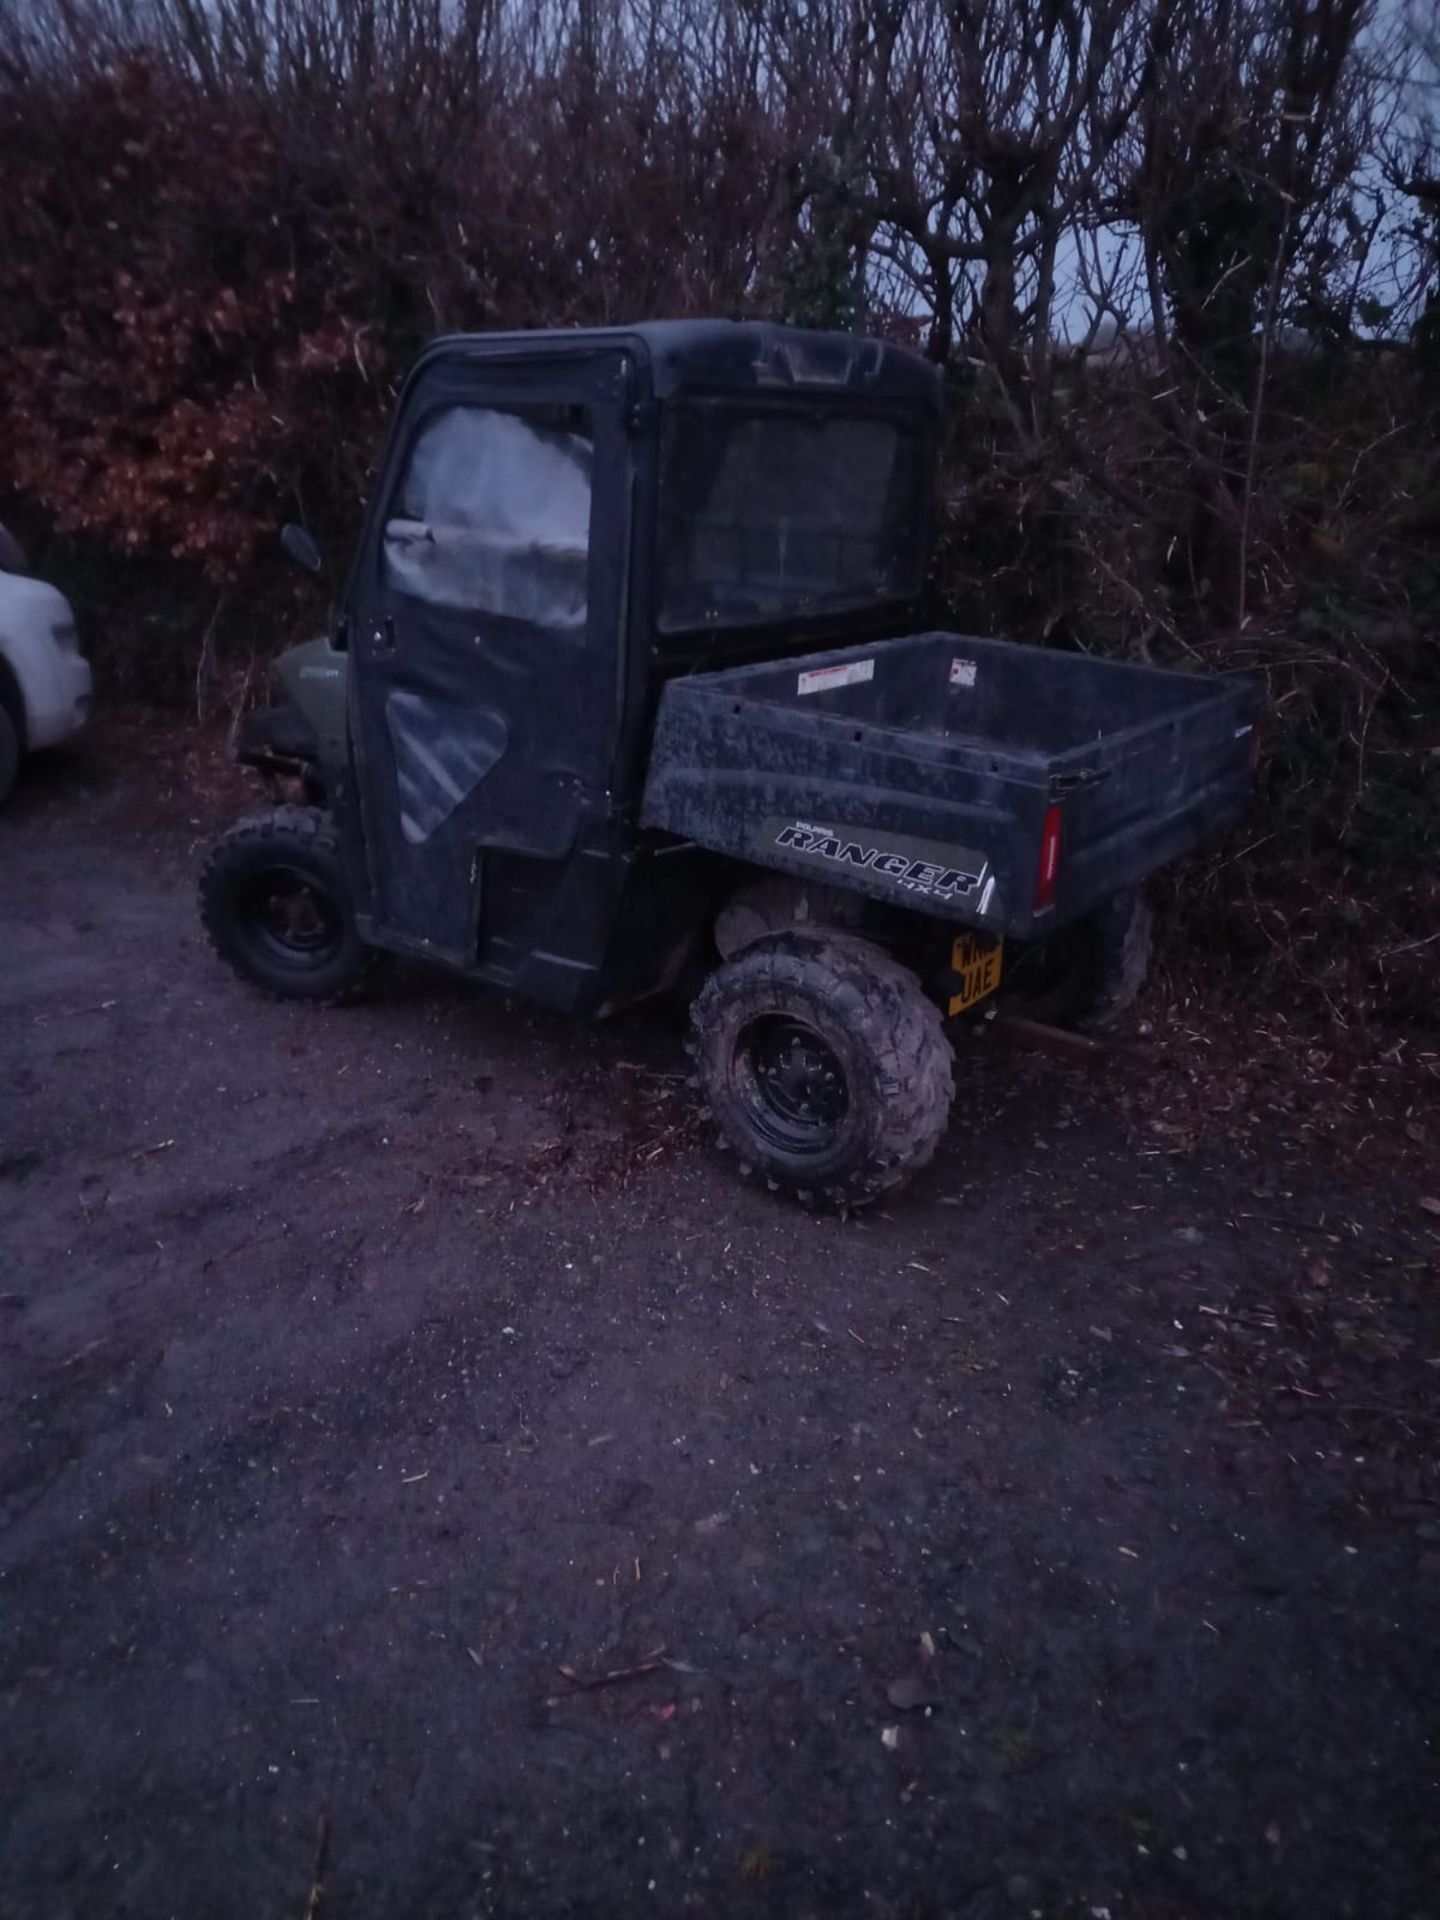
column 1063, row 1541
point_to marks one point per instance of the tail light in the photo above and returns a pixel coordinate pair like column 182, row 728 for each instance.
column 1049, row 870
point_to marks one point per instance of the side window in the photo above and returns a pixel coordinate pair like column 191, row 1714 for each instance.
column 493, row 514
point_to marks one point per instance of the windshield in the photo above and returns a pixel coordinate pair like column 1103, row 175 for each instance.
column 772, row 512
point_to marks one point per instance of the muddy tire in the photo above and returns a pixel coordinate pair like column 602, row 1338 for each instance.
column 1090, row 973
column 9, row 755
column 276, row 906
column 1125, row 942
column 823, row 1066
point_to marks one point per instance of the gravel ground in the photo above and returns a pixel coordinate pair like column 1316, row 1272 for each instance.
column 432, row 1486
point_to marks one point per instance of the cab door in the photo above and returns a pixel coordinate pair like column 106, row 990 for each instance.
column 485, row 631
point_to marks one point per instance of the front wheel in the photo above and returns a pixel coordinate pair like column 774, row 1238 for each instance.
column 823, row 1066
column 275, row 903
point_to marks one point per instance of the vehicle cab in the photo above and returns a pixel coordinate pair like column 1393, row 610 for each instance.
column 562, row 521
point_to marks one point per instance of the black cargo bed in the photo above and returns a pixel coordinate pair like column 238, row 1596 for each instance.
column 928, row 771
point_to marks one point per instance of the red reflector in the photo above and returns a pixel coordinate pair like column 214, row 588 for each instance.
column 1049, row 871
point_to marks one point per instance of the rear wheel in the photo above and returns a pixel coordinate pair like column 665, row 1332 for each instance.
column 823, row 1066
column 1088, row 974
column 275, row 903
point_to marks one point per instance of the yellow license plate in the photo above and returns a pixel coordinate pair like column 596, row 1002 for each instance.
column 975, row 960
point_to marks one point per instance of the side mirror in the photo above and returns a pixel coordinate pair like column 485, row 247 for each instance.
column 302, row 547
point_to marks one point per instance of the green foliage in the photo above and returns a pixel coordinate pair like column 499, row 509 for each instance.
column 821, row 274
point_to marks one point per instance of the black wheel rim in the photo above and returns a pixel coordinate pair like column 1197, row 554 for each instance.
column 291, row 917
column 792, row 1083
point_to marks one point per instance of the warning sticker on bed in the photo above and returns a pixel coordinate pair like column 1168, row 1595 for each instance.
column 848, row 674
column 962, row 673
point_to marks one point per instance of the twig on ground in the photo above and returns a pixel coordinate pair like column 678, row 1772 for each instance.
column 317, row 1869
column 652, row 1663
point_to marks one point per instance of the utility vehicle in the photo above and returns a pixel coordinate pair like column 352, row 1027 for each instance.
column 624, row 693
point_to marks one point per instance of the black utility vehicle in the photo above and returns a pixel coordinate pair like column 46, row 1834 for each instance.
column 617, row 700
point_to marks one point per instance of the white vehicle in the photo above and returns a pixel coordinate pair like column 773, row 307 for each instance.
column 44, row 677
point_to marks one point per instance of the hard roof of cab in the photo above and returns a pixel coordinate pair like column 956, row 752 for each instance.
column 760, row 355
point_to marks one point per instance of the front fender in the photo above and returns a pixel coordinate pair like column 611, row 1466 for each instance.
column 314, row 678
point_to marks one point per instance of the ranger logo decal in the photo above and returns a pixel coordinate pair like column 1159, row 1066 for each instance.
column 956, row 876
